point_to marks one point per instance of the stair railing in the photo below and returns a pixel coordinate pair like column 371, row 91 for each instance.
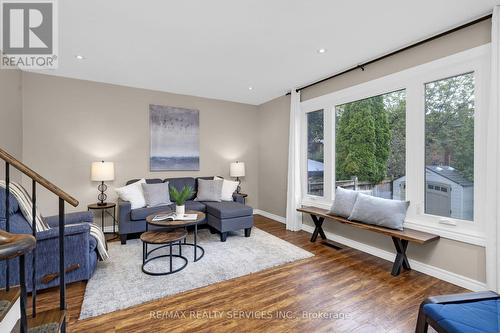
column 62, row 198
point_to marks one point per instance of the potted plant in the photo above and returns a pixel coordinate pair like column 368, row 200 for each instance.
column 180, row 197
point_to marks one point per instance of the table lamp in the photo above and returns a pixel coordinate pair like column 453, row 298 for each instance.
column 237, row 169
column 102, row 172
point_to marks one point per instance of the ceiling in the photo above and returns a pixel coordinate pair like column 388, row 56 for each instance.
column 220, row 48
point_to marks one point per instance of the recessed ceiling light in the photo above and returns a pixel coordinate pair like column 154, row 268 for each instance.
column 79, row 57
column 321, row 51
column 250, row 88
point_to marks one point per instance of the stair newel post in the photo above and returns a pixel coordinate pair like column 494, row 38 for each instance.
column 7, row 220
column 22, row 300
column 33, row 253
column 62, row 282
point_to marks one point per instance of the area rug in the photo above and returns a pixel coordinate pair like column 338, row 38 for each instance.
column 120, row 283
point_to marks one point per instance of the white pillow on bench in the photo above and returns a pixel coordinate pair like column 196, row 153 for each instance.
column 344, row 202
column 378, row 211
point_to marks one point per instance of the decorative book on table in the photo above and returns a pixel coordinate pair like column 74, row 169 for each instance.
column 174, row 217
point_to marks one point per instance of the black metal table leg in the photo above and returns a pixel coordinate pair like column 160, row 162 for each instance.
column 318, row 222
column 401, row 259
column 195, row 234
column 102, row 220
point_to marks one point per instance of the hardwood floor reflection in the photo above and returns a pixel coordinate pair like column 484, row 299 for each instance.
column 336, row 291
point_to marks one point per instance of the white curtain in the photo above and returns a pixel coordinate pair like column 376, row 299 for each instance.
column 492, row 222
column 293, row 218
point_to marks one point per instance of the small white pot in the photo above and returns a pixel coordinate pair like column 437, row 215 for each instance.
column 180, row 210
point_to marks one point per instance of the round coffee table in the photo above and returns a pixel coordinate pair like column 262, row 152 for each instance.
column 182, row 224
column 163, row 238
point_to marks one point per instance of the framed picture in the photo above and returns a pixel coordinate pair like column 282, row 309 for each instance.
column 175, row 141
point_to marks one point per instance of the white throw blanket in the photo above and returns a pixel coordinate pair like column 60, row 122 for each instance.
column 26, row 206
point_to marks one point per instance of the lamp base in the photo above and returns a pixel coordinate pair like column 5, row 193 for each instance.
column 101, row 198
column 238, row 189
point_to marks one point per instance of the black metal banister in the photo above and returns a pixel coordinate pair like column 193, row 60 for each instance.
column 63, row 197
column 35, row 176
column 33, row 265
column 7, row 220
column 22, row 301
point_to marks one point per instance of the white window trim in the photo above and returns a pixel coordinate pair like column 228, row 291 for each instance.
column 475, row 60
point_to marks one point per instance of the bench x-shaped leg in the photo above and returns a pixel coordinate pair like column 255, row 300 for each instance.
column 401, row 258
column 318, row 222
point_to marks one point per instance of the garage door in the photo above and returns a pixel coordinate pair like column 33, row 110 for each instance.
column 438, row 199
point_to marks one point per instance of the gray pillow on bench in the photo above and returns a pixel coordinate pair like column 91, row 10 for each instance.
column 344, row 202
column 378, row 211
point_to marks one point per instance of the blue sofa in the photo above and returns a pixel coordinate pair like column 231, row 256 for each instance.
column 80, row 247
column 222, row 217
column 477, row 312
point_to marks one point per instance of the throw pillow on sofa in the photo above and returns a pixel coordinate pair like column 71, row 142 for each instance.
column 378, row 211
column 344, row 202
column 133, row 193
column 156, row 194
column 228, row 188
column 209, row 190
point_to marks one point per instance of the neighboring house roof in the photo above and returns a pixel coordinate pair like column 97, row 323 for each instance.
column 313, row 165
column 450, row 173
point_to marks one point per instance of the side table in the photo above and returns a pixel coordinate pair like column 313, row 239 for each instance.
column 103, row 209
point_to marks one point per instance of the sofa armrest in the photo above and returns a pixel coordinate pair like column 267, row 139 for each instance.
column 72, row 229
column 462, row 298
column 238, row 198
column 70, row 218
column 124, row 209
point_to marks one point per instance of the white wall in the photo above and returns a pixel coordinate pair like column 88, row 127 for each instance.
column 11, row 129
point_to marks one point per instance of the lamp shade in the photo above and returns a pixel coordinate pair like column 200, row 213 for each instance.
column 237, row 169
column 102, row 171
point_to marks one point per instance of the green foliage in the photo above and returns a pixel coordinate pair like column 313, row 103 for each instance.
column 181, row 197
column 449, row 123
column 362, row 142
column 395, row 105
column 315, row 138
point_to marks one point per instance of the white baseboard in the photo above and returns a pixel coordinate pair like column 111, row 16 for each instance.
column 436, row 272
column 271, row 216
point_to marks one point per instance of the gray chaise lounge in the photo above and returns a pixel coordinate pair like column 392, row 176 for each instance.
column 222, row 217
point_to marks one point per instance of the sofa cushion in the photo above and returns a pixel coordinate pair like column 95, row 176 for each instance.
column 13, row 204
column 477, row 317
column 140, row 214
column 156, row 194
column 228, row 209
column 179, row 184
column 148, row 181
column 209, row 190
column 133, row 193
column 193, row 205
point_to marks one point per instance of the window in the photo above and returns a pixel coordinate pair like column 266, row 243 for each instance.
column 449, row 147
column 419, row 135
column 370, row 145
column 315, row 153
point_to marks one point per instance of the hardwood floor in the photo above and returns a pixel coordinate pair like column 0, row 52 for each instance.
column 351, row 290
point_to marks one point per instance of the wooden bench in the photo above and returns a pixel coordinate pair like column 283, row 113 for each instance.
column 401, row 238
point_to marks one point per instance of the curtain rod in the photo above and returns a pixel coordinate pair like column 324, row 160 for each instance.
column 363, row 65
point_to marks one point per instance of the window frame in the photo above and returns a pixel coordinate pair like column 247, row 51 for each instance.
column 413, row 80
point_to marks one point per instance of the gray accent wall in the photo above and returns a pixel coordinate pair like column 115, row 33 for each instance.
column 457, row 257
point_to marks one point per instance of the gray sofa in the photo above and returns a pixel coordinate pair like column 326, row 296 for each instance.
column 222, row 217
